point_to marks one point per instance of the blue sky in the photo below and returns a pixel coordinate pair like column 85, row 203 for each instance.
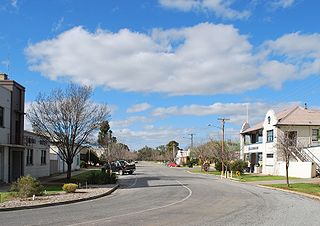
column 168, row 68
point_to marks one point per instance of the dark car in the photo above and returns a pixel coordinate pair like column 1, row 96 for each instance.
column 121, row 166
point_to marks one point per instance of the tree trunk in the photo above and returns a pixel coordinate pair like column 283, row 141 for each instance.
column 69, row 171
column 287, row 172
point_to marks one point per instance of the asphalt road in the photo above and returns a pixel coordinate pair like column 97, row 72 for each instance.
column 157, row 195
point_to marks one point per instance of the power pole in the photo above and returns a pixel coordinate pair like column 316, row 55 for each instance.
column 191, row 140
column 223, row 120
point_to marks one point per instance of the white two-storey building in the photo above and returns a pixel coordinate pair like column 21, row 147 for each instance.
column 259, row 143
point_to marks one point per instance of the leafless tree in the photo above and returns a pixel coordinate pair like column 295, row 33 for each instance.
column 286, row 145
column 67, row 119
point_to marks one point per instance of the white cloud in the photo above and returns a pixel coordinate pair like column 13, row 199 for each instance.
column 220, row 8
column 236, row 111
column 282, row 3
column 117, row 124
column 153, row 136
column 58, row 25
column 14, row 3
column 202, row 59
column 139, row 107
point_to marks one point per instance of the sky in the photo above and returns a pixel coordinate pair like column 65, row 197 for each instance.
column 168, row 68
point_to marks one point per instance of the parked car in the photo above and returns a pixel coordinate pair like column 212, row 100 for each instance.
column 172, row 164
column 121, row 167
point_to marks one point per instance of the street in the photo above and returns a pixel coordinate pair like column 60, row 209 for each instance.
column 158, row 195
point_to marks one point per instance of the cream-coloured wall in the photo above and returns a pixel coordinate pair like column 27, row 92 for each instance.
column 296, row 169
column 5, row 102
column 37, row 169
column 62, row 166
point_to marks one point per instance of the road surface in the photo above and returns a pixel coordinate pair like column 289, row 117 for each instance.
column 157, row 195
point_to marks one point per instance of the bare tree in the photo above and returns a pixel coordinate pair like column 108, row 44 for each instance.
column 67, row 119
column 286, row 146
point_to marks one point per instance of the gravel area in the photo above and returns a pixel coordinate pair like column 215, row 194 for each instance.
column 60, row 197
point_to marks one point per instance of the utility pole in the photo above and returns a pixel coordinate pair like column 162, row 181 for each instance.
column 223, row 120
column 191, row 140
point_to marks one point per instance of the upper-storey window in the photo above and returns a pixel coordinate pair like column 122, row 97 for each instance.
column 269, row 119
column 270, row 136
column 315, row 134
column 1, row 117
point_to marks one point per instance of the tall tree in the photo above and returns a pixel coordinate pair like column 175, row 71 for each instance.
column 286, row 145
column 172, row 149
column 108, row 142
column 67, row 119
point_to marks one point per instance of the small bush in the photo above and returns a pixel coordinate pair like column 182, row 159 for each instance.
column 69, row 188
column 102, row 177
column 83, row 164
column 238, row 165
column 27, row 186
column 218, row 165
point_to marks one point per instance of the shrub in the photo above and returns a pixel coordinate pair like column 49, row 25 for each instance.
column 102, row 177
column 238, row 165
column 83, row 164
column 27, row 186
column 218, row 165
column 69, row 188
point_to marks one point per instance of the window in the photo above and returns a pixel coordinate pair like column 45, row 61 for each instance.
column 43, row 157
column 1, row 117
column 270, row 136
column 269, row 119
column 315, row 134
column 29, row 157
column 270, row 156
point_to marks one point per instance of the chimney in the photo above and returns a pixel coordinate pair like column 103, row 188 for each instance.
column 305, row 106
column 3, row 76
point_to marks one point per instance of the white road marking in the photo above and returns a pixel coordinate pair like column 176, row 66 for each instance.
column 141, row 211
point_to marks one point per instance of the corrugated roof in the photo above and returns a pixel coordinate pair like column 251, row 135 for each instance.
column 292, row 116
column 301, row 116
column 253, row 128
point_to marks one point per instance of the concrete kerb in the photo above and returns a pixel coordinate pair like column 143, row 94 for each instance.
column 61, row 203
column 289, row 191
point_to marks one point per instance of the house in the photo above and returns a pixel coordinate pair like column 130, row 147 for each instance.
column 57, row 165
column 36, row 155
column 258, row 144
column 182, row 157
column 11, row 129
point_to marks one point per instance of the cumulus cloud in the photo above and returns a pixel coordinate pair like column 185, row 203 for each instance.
column 129, row 121
column 236, row 111
column 220, row 8
column 152, row 136
column 138, row 107
column 199, row 60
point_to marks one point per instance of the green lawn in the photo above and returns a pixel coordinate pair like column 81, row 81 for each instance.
column 313, row 189
column 6, row 196
column 256, row 177
column 204, row 172
column 79, row 178
column 246, row 177
column 50, row 188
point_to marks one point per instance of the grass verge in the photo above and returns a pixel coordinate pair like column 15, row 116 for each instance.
column 308, row 188
column 204, row 172
column 256, row 177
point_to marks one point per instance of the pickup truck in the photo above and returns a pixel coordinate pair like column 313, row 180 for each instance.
column 121, row 166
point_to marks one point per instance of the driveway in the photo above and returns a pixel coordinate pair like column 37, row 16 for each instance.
column 157, row 195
